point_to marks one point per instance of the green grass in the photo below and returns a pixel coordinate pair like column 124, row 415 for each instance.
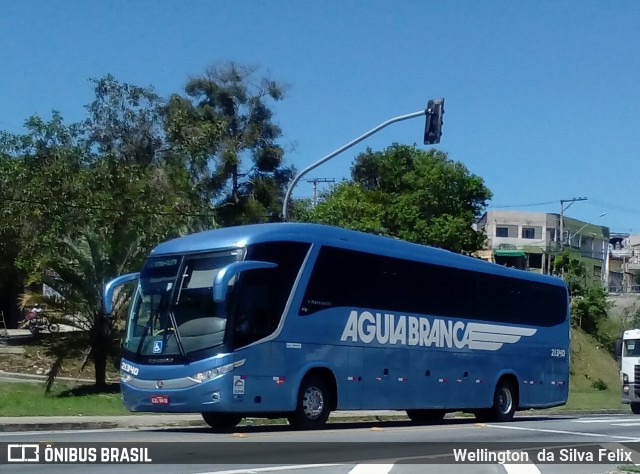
column 28, row 399
column 592, row 369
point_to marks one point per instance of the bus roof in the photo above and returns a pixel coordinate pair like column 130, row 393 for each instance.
column 241, row 236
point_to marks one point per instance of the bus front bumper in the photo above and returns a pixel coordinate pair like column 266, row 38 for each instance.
column 214, row 395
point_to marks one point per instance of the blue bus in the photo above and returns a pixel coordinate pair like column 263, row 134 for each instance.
column 297, row 320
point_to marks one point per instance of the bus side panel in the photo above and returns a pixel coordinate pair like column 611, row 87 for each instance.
column 429, row 370
column 387, row 376
column 349, row 379
column 296, row 359
column 255, row 384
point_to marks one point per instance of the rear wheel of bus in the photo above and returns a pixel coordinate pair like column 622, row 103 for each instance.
column 505, row 402
column 222, row 421
column 313, row 406
column 425, row 417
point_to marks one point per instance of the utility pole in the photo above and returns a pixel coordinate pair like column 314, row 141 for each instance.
column 315, row 181
column 562, row 209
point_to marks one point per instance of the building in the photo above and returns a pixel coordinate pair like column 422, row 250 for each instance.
column 624, row 252
column 532, row 240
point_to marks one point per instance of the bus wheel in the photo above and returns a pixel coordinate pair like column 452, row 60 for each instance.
column 504, row 404
column 312, row 410
column 635, row 408
column 221, row 421
column 425, row 417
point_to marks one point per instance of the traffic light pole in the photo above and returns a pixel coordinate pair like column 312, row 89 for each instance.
column 340, row 150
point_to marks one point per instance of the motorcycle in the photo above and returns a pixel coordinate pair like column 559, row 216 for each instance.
column 36, row 322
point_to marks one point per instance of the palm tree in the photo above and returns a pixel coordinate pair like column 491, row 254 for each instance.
column 78, row 273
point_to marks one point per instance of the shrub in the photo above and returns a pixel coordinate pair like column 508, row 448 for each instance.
column 599, row 385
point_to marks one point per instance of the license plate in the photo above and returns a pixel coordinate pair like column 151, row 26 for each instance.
column 159, row 400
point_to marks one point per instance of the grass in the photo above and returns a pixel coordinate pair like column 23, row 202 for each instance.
column 28, row 399
column 595, row 376
column 594, row 385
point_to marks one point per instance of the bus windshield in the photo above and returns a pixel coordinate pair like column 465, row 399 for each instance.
column 173, row 312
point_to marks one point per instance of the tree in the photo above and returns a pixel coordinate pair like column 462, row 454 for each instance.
column 573, row 272
column 78, row 273
column 94, row 198
column 415, row 195
column 225, row 128
column 588, row 302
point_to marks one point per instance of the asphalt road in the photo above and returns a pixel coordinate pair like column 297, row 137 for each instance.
column 376, row 448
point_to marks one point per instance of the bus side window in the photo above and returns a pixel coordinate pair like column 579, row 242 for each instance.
column 260, row 296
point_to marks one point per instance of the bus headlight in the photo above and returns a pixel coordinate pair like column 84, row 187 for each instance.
column 216, row 371
column 125, row 376
column 625, row 378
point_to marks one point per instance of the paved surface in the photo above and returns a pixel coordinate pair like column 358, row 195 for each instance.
column 45, row 423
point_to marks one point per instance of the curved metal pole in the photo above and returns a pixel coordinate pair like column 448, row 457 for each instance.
column 340, row 150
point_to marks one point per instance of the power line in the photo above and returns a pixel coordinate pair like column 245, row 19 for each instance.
column 615, row 207
column 524, row 205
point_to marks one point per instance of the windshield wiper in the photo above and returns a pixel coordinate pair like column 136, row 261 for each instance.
column 147, row 328
column 175, row 331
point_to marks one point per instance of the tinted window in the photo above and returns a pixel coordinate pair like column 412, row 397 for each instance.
column 260, row 296
column 357, row 279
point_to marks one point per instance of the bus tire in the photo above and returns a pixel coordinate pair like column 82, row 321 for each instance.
column 635, row 408
column 313, row 405
column 504, row 404
column 425, row 417
column 221, row 421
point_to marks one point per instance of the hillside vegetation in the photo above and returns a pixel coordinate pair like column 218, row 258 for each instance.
column 595, row 375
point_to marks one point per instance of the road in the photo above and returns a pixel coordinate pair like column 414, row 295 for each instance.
column 376, row 448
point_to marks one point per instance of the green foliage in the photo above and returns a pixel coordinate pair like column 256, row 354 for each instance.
column 350, row 206
column 87, row 201
column 599, row 385
column 225, row 131
column 84, row 202
column 573, row 271
column 589, row 304
column 415, row 195
column 589, row 309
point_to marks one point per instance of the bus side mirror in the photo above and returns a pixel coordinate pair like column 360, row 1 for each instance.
column 224, row 276
column 617, row 348
column 110, row 288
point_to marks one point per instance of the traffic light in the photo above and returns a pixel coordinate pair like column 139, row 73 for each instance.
column 433, row 126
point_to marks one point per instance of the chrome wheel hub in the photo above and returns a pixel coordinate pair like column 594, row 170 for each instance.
column 312, row 403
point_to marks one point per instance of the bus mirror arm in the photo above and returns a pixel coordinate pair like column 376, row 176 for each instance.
column 225, row 275
column 110, row 288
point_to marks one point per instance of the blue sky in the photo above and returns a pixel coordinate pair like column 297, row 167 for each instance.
column 542, row 98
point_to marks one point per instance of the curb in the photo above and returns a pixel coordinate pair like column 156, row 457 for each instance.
column 43, row 378
column 93, row 425
column 48, row 426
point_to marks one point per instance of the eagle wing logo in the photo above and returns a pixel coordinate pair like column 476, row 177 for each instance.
column 491, row 337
